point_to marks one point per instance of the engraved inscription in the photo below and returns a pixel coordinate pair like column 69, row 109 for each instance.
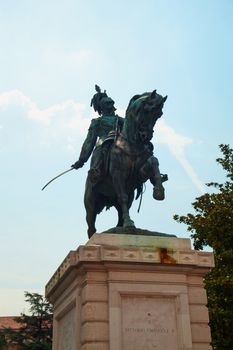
column 147, row 330
column 149, row 323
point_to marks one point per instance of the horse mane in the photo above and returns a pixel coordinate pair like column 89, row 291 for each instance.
column 135, row 98
column 130, row 126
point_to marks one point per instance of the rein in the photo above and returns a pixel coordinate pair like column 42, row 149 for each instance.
column 140, row 202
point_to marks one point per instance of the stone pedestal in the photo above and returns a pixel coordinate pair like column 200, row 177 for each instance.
column 130, row 292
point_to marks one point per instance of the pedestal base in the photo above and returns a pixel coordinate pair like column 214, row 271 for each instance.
column 127, row 292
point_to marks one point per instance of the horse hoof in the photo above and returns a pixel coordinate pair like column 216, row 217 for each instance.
column 90, row 233
column 158, row 193
column 129, row 223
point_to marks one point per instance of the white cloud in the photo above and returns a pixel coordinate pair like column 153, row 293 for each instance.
column 67, row 121
column 63, row 123
column 45, row 116
column 176, row 144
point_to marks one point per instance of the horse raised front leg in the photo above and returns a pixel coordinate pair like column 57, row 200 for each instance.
column 156, row 180
column 151, row 171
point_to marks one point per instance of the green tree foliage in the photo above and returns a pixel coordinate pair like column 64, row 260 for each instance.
column 2, row 341
column 212, row 224
column 35, row 332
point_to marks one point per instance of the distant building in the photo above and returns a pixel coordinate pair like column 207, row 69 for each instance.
column 8, row 322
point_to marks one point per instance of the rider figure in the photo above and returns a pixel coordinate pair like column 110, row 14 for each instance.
column 102, row 130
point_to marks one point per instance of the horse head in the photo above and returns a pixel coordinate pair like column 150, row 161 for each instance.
column 141, row 115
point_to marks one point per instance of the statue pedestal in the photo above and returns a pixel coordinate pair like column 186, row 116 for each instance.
column 130, row 292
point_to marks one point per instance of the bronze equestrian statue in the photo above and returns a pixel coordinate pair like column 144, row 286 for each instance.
column 122, row 156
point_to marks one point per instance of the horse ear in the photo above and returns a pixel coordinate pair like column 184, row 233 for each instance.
column 164, row 99
column 153, row 94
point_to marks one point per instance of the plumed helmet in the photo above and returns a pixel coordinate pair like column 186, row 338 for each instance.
column 100, row 101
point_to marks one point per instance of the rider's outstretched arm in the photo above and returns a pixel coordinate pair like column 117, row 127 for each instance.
column 88, row 144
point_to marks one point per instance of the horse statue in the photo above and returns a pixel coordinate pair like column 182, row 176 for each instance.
column 129, row 163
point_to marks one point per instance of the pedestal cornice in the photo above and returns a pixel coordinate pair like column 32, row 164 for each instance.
column 146, row 253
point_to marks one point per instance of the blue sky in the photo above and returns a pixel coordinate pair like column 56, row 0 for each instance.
column 53, row 53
